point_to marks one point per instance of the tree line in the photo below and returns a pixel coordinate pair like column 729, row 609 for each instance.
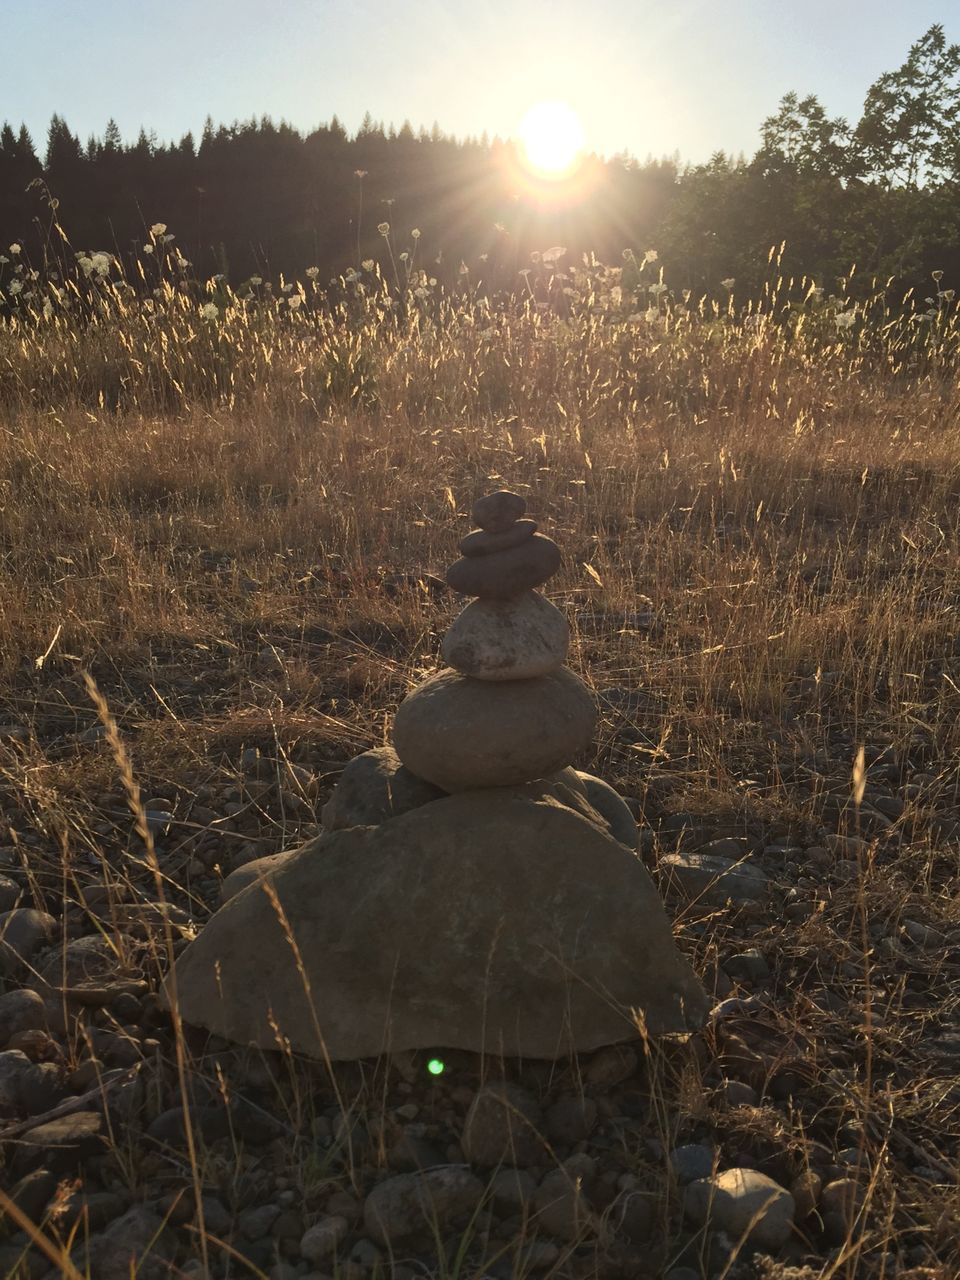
column 881, row 194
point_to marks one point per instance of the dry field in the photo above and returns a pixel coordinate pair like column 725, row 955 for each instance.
column 230, row 526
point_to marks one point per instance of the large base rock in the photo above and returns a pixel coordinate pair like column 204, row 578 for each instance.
column 486, row 922
column 460, row 733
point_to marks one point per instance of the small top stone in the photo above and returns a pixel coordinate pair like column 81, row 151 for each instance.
column 496, row 512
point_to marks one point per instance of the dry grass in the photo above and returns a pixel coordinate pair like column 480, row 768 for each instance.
column 761, row 537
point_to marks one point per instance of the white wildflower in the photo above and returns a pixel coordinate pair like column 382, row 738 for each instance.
column 384, row 228
column 415, row 233
column 729, row 282
column 148, row 248
column 651, row 255
column 294, row 301
column 210, row 311
column 367, row 264
column 15, row 248
column 158, row 228
column 312, row 273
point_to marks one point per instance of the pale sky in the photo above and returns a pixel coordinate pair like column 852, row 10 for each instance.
column 647, row 76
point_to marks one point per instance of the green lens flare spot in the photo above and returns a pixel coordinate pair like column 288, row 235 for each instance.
column 435, row 1067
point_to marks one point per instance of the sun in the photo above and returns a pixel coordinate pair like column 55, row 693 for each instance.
column 551, row 139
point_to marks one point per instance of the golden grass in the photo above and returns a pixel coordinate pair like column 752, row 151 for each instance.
column 761, row 539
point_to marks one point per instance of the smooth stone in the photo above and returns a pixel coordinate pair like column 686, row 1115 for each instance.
column 21, row 1010
column 416, row 1202
column 712, row 880
column 507, row 639
column 486, row 923
column 462, row 734
column 373, row 787
column 742, row 1202
column 506, row 573
column 691, row 1161
column 503, row 1127
column 480, row 542
column 497, row 511
column 611, row 805
column 23, row 931
column 322, row 1239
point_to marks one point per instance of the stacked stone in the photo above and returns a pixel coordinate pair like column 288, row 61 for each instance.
column 505, row 710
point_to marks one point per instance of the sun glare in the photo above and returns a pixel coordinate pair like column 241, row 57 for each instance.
column 551, row 139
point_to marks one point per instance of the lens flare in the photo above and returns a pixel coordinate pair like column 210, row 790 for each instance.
column 551, row 138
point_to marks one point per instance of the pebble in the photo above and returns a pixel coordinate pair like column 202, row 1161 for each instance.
column 738, row 1094
column 561, row 1207
column 23, row 931
column 741, row 1200
column 634, row 1216
column 611, row 1066
column 748, row 966
column 692, row 1161
column 61, row 1143
column 502, row 1127
column 537, row 1256
column 14, row 1066
column 923, row 935
column 713, row 880
column 805, row 1190
column 417, row 1202
column 511, row 1189
column 847, row 846
column 843, row 1197
column 322, row 1239
column 570, row 1120
column 127, row 1240
column 9, row 893
column 22, row 1010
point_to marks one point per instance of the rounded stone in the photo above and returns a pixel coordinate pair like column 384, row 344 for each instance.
column 481, row 543
column 506, row 573
column 742, row 1202
column 373, row 787
column 610, row 805
column 496, row 512
column 508, row 639
column 462, row 734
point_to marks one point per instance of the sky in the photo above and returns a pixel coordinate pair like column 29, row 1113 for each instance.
column 650, row 77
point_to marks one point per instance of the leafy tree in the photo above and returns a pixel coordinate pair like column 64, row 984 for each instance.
column 910, row 128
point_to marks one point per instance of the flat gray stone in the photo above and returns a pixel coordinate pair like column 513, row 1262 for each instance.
column 713, row 880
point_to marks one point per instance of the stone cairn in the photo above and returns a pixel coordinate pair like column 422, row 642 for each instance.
column 472, row 889
column 505, row 710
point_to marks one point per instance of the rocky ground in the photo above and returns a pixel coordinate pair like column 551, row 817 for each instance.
column 253, row 600
column 810, row 1130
